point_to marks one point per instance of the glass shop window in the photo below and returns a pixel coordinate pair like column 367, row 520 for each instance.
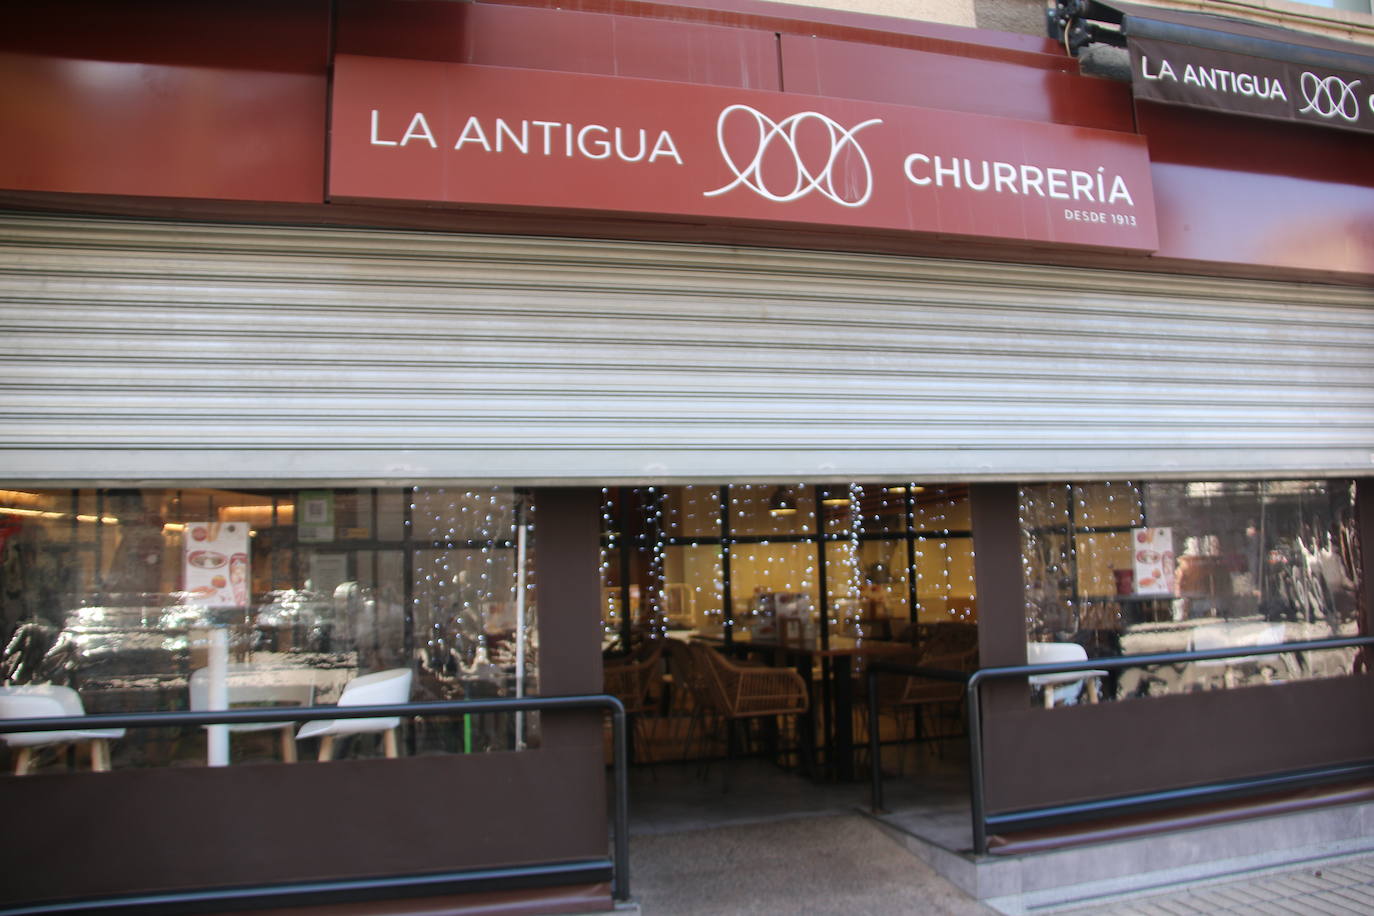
column 170, row 599
column 870, row 561
column 1137, row 567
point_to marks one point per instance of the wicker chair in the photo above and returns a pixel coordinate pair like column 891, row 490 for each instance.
column 939, row 704
column 692, row 697
column 631, row 681
column 741, row 693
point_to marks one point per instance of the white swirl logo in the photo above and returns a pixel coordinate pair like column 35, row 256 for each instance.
column 804, row 179
column 1330, row 97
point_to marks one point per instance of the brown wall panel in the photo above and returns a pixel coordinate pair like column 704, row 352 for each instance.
column 282, row 36
column 1054, row 756
column 1250, row 191
column 165, row 99
column 1210, row 215
column 546, row 39
column 183, row 828
column 798, row 19
column 844, row 69
column 165, row 130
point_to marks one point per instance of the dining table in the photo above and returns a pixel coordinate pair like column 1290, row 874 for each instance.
column 829, row 722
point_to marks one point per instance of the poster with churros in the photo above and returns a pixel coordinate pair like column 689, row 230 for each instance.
column 215, row 564
column 1153, row 550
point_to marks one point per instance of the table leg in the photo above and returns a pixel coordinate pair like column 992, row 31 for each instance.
column 217, row 736
column 828, row 708
column 806, row 725
column 842, row 674
column 288, row 744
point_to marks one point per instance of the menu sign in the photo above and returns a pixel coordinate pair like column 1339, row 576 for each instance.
column 1153, row 560
column 215, row 564
column 468, row 135
column 1256, row 86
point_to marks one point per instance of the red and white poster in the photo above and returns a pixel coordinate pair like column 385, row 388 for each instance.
column 215, row 564
column 1154, row 560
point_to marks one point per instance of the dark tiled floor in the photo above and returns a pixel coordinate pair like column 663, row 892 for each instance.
column 930, row 798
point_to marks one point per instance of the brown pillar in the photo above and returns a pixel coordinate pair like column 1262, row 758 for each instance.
column 1001, row 593
column 567, row 557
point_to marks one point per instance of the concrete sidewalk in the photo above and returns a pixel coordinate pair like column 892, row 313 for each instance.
column 847, row 864
column 820, row 865
column 1342, row 886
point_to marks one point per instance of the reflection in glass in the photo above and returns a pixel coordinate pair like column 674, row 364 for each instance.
column 877, row 560
column 124, row 593
column 692, row 512
column 773, row 586
column 762, row 510
column 693, row 587
column 867, row 585
column 1130, row 568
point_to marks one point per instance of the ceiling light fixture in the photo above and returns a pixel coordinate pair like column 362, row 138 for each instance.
column 782, row 503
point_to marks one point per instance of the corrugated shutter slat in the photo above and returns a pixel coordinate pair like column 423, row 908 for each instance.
column 141, row 350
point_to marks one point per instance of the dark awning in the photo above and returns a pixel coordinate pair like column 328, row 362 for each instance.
column 1227, row 64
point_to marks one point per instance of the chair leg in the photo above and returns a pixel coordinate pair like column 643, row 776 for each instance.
column 390, row 744
column 687, row 741
column 100, row 755
column 646, row 733
column 288, row 744
column 23, row 761
column 327, row 747
column 730, row 744
column 914, row 712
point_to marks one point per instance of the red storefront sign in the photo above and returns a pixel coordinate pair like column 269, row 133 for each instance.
column 486, row 136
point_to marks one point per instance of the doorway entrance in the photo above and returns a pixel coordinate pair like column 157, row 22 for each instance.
column 775, row 590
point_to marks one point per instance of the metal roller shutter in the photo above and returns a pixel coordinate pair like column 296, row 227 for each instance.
column 178, row 352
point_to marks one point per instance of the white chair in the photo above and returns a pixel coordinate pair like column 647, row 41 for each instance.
column 42, row 701
column 251, row 686
column 384, row 688
column 1067, row 687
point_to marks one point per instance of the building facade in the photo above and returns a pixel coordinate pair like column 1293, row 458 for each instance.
column 466, row 339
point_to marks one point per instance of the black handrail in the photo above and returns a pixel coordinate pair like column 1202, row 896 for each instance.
column 620, row 859
column 973, row 710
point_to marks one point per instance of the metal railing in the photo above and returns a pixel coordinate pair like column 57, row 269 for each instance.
column 974, row 718
column 343, row 890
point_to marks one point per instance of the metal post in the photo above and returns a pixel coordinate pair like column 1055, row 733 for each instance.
column 974, row 723
column 874, row 744
column 620, row 879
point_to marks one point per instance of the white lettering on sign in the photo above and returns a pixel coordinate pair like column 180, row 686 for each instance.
column 417, row 129
column 1163, row 72
column 376, row 141
column 1216, row 79
column 1219, row 80
column 547, row 138
column 1024, row 179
